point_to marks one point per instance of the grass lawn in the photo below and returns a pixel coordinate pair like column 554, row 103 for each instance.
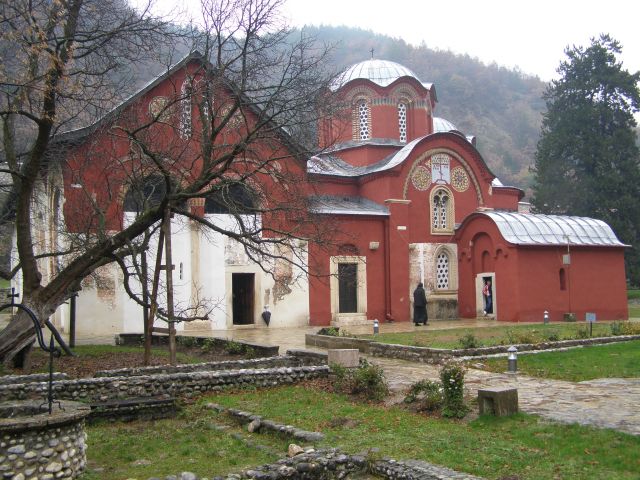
column 165, row 447
column 489, row 336
column 633, row 294
column 634, row 311
column 523, row 445
column 618, row 360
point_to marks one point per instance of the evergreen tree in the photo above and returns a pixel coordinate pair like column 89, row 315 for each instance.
column 587, row 161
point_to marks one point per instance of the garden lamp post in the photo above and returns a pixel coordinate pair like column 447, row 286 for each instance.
column 376, row 326
column 546, row 317
column 513, row 359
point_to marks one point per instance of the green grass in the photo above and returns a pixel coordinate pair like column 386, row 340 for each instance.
column 633, row 294
column 167, row 447
column 4, row 284
column 522, row 445
column 634, row 311
column 618, row 360
column 489, row 336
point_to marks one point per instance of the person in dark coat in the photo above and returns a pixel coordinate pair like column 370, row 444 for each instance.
column 419, row 305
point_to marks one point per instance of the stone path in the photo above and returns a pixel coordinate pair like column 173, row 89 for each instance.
column 605, row 403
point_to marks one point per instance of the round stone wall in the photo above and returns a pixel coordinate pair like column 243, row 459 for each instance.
column 37, row 445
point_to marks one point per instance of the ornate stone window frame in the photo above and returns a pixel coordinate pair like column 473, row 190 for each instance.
column 436, row 211
column 361, row 261
column 403, row 120
column 452, row 287
column 359, row 126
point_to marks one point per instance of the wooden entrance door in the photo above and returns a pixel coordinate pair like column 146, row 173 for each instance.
column 348, row 287
column 242, row 290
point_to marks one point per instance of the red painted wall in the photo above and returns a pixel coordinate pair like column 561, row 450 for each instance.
column 527, row 278
column 357, row 231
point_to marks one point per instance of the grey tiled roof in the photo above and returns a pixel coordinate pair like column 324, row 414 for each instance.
column 530, row 229
column 346, row 205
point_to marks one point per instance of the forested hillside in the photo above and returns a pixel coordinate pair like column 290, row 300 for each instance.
column 501, row 107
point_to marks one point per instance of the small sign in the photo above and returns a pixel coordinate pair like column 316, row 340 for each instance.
column 566, row 259
column 590, row 317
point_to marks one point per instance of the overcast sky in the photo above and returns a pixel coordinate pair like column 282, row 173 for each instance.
column 531, row 35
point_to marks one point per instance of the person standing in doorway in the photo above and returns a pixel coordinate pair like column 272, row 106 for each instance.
column 488, row 300
column 419, row 305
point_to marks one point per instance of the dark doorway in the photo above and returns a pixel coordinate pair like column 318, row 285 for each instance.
column 348, row 287
column 242, row 291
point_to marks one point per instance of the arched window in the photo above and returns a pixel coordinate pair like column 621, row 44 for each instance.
column 563, row 279
column 441, row 211
column 186, row 125
column 363, row 118
column 442, row 271
column 402, row 121
column 144, row 194
column 235, row 199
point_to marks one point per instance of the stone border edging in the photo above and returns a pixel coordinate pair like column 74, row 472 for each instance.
column 435, row 355
column 177, row 384
column 330, row 464
column 253, row 363
column 260, row 423
column 34, row 377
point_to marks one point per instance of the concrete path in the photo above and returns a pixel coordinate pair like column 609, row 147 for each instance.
column 604, row 403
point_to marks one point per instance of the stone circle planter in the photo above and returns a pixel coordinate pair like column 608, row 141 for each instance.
column 36, row 444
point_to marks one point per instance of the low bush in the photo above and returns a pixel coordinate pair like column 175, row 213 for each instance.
column 625, row 328
column 366, row 381
column 452, row 377
column 469, row 341
column 427, row 394
column 551, row 336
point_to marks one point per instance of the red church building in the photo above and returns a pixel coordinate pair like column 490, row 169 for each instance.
column 410, row 195
column 422, row 206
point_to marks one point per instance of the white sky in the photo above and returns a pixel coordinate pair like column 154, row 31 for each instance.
column 529, row 34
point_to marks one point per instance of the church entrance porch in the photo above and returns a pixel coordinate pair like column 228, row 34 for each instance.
column 483, row 279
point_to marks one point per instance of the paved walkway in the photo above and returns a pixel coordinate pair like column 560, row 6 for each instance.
column 604, row 403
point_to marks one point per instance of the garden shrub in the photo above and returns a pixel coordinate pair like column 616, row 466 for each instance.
column 469, row 341
column 551, row 336
column 234, row 348
column 428, row 394
column 208, row 345
column 625, row 328
column 367, row 380
column 452, row 377
column 582, row 333
column 330, row 331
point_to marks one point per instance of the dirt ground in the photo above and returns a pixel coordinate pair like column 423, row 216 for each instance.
column 83, row 366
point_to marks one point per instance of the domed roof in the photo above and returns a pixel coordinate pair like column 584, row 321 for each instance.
column 443, row 125
column 380, row 72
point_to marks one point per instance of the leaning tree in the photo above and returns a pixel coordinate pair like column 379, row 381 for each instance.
column 252, row 92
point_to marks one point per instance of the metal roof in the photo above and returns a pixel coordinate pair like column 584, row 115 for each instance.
column 380, row 72
column 346, row 205
column 443, row 125
column 327, row 164
column 530, row 229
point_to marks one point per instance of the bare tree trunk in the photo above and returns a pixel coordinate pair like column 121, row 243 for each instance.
column 154, row 297
column 169, row 276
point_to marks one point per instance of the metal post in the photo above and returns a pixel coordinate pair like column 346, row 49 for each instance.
column 72, row 321
column 376, row 327
column 513, row 359
column 546, row 317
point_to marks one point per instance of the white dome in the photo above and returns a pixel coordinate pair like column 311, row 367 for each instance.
column 380, row 72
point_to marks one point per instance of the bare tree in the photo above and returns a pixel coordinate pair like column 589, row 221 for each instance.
column 235, row 129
